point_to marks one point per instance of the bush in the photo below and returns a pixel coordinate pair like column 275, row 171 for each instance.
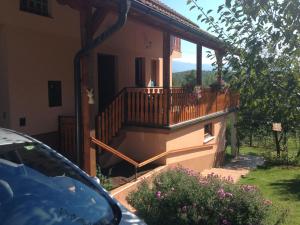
column 285, row 159
column 104, row 181
column 182, row 197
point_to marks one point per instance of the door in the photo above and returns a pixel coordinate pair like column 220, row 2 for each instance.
column 107, row 77
column 154, row 73
column 140, row 72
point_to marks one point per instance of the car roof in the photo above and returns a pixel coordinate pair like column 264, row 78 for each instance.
column 8, row 137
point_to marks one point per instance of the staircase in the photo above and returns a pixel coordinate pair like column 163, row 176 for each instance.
column 111, row 120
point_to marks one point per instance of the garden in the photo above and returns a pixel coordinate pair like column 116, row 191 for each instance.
column 268, row 195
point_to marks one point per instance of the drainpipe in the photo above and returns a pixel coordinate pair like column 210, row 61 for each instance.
column 124, row 6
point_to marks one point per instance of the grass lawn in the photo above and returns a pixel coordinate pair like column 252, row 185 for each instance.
column 280, row 184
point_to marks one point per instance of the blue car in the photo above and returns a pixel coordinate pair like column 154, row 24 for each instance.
column 38, row 186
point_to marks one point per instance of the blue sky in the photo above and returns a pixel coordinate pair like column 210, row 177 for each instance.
column 189, row 49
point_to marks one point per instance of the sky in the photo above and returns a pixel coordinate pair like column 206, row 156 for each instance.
column 189, row 49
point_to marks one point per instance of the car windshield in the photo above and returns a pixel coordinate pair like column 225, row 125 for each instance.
column 37, row 186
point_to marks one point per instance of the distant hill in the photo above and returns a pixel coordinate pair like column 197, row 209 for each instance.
column 182, row 66
column 182, row 78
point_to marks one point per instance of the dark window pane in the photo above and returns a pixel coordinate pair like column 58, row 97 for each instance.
column 208, row 130
column 39, row 7
column 54, row 93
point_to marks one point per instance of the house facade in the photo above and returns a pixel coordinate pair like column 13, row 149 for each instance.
column 126, row 101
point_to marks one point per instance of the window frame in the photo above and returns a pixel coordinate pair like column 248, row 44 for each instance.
column 25, row 6
column 208, row 132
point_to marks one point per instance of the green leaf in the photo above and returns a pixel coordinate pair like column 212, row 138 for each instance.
column 192, row 7
column 199, row 17
column 228, row 3
column 220, row 8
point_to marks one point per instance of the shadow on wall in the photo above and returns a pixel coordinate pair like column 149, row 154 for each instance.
column 220, row 142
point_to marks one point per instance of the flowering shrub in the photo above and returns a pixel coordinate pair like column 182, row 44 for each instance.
column 181, row 196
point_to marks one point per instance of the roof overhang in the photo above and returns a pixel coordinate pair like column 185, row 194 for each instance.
column 159, row 20
column 180, row 29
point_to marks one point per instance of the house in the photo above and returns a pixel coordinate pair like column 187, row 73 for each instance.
column 89, row 76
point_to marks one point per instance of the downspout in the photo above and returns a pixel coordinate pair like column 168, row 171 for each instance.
column 124, row 6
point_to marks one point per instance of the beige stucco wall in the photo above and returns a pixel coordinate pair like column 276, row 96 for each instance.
column 41, row 48
column 31, row 65
column 37, row 49
column 143, row 143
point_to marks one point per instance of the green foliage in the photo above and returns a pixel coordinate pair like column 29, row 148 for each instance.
column 182, row 79
column 182, row 197
column 262, row 38
column 104, row 181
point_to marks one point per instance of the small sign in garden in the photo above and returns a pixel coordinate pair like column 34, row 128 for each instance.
column 277, row 127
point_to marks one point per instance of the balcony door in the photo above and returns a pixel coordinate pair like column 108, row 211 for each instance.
column 140, row 72
column 106, row 79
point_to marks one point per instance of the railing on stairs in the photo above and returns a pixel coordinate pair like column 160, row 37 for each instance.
column 138, row 165
column 111, row 120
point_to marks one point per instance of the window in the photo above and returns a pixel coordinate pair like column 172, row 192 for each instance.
column 54, row 93
column 39, row 7
column 208, row 132
column 154, row 72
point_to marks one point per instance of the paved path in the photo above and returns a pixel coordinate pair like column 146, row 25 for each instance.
column 237, row 168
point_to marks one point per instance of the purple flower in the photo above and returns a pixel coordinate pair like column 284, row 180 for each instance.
column 158, row 195
column 221, row 193
column 248, row 188
column 225, row 222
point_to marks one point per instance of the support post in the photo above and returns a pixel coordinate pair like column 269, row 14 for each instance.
column 167, row 72
column 234, row 149
column 219, row 56
column 166, row 60
column 89, row 154
column 199, row 65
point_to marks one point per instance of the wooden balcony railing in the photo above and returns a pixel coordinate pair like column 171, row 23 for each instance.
column 188, row 106
column 151, row 107
column 159, row 107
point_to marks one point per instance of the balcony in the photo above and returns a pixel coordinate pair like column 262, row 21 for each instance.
column 152, row 108
column 161, row 108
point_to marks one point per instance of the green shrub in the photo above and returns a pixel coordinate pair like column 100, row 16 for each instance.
column 104, row 181
column 182, row 197
column 285, row 159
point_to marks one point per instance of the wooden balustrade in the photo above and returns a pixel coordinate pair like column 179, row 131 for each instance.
column 67, row 137
column 188, row 106
column 111, row 120
column 149, row 107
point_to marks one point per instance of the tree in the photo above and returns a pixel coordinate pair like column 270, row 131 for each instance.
column 263, row 42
